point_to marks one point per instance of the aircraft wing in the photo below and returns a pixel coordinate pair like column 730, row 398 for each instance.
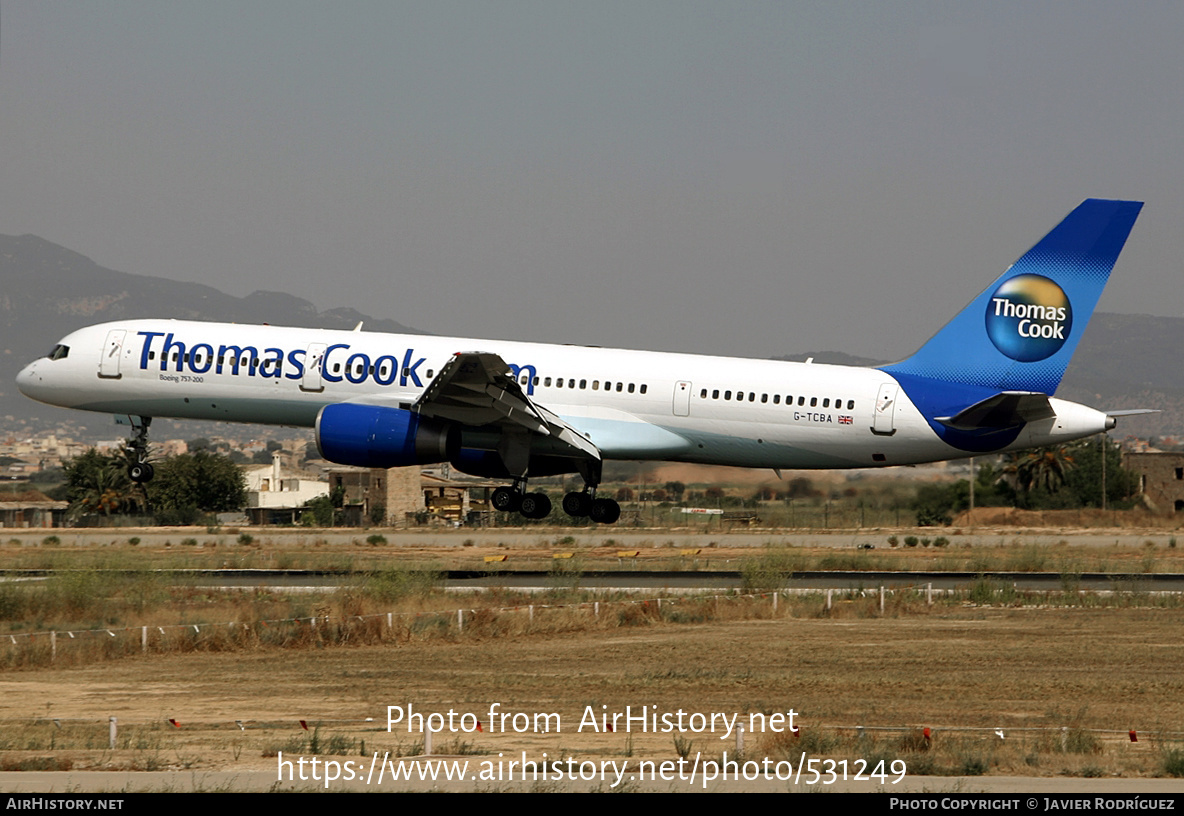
column 477, row 389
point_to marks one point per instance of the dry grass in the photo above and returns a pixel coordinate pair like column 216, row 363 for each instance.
column 964, row 673
column 1063, row 675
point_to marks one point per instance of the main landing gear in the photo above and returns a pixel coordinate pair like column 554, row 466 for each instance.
column 516, row 499
column 140, row 471
column 578, row 504
column 581, row 504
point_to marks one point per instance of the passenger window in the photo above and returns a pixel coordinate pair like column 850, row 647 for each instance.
column 618, row 388
column 801, row 401
column 583, row 383
column 776, row 399
column 813, row 402
column 536, row 380
column 630, row 388
column 429, row 373
column 764, row 397
column 596, row 385
column 752, row 396
column 643, row 387
column 826, row 403
column 547, row 382
column 727, row 395
column 571, row 383
column 715, row 394
column 850, row 404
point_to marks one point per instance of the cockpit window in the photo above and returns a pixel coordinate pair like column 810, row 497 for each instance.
column 59, row 352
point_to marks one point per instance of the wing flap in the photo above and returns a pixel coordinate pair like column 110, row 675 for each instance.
column 476, row 388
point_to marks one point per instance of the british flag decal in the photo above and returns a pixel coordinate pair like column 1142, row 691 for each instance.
column 845, row 419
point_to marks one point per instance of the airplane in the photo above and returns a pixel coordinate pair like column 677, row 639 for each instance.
column 509, row 410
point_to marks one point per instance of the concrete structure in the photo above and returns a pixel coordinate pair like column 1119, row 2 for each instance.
column 32, row 513
column 274, row 499
column 1161, row 479
column 399, row 496
column 378, row 496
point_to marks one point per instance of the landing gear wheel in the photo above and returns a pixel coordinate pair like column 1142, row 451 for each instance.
column 535, row 506
column 577, row 505
column 506, row 499
column 605, row 511
column 140, row 472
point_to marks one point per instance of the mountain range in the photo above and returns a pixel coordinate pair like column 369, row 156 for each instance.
column 1124, row 361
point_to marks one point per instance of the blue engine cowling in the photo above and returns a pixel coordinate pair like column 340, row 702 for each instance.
column 375, row 436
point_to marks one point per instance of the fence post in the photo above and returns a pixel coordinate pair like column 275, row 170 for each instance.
column 111, row 732
column 53, row 645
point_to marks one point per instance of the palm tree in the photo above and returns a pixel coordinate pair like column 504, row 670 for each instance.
column 1043, row 467
column 99, row 483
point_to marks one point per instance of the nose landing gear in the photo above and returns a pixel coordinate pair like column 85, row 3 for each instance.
column 140, row 470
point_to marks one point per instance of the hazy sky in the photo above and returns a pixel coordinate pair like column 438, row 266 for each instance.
column 732, row 178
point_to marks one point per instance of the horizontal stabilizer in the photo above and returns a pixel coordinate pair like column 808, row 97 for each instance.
column 1112, row 416
column 1007, row 409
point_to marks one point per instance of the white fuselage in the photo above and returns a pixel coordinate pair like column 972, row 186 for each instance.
column 630, row 404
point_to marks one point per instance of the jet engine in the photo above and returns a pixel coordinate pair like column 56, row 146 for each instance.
column 376, row 436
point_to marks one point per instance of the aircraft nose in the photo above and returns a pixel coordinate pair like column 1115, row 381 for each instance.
column 29, row 381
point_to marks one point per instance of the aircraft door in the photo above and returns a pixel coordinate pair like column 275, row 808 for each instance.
column 314, row 361
column 682, row 398
column 112, row 351
column 885, row 409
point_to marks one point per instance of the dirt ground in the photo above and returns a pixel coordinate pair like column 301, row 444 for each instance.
column 1028, row 673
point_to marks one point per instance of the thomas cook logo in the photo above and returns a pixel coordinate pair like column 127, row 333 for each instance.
column 1029, row 318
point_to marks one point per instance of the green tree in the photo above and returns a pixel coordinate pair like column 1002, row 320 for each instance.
column 319, row 513
column 1042, row 468
column 1084, row 481
column 195, row 483
column 98, row 483
column 936, row 504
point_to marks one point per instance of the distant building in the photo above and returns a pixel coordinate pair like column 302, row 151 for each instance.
column 390, row 495
column 406, row 495
column 32, row 513
column 1161, row 479
column 273, row 498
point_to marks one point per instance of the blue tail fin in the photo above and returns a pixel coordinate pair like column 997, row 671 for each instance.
column 1020, row 333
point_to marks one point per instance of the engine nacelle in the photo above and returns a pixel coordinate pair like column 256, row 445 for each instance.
column 375, row 436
